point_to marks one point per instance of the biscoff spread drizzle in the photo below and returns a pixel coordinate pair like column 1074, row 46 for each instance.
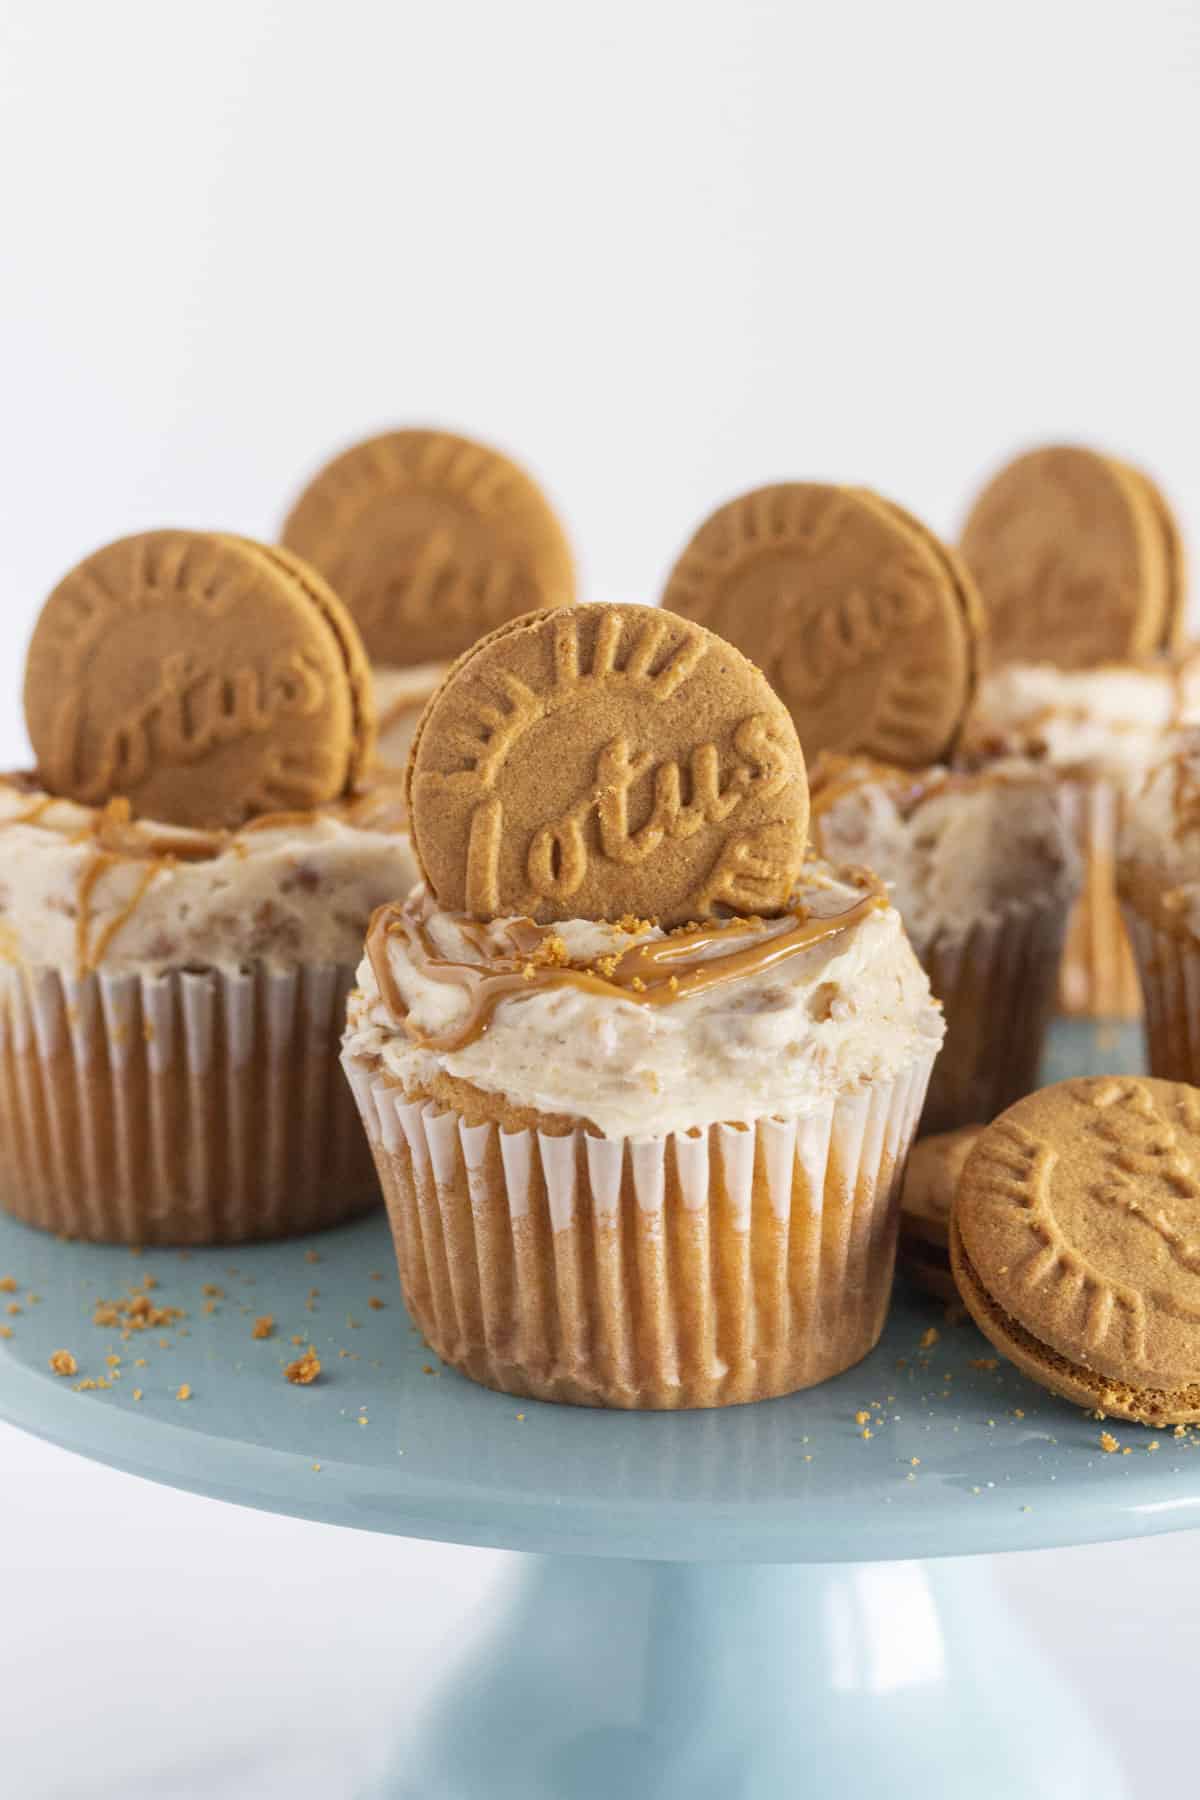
column 117, row 837
column 686, row 962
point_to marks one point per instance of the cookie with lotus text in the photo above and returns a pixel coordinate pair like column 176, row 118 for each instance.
column 205, row 678
column 432, row 541
column 1077, row 558
column 1075, row 1242
column 935, row 1164
column 863, row 623
column 603, row 761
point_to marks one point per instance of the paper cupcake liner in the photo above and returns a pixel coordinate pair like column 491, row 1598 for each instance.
column 188, row 1108
column 1099, row 979
column 1168, row 963
column 997, row 985
column 692, row 1270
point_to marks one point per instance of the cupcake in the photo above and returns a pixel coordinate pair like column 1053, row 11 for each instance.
column 983, row 872
column 187, row 877
column 431, row 541
column 1158, row 879
column 1080, row 565
column 639, row 1078
column 869, row 629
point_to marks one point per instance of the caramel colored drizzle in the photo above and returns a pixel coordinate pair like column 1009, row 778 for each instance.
column 654, row 974
column 91, row 957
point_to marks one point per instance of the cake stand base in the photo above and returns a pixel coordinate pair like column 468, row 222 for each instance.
column 612, row 1680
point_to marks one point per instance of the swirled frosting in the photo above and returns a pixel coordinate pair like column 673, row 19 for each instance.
column 1160, row 834
column 83, row 886
column 957, row 848
column 1109, row 721
column 639, row 1032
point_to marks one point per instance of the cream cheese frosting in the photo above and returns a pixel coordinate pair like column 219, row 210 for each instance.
column 1160, row 831
column 81, row 886
column 774, row 1036
column 955, row 848
column 1109, row 721
column 400, row 696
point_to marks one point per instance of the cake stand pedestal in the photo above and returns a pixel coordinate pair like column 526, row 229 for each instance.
column 751, row 1603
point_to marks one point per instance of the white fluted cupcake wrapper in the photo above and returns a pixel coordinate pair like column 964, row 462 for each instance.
column 1168, row 966
column 997, row 984
column 190, row 1107
column 690, row 1270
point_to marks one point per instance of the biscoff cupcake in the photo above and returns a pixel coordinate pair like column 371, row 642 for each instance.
column 1158, row 878
column 983, row 873
column 431, row 540
column 639, row 1079
column 870, row 629
column 186, row 880
column 1081, row 567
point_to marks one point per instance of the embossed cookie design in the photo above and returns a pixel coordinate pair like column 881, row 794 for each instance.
column 599, row 761
column 432, row 541
column 205, row 678
column 860, row 620
column 1075, row 1242
column 1078, row 560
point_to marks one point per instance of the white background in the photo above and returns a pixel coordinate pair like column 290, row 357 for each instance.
column 662, row 252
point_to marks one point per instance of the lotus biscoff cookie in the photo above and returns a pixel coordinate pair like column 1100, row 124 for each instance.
column 188, row 876
column 202, row 678
column 1075, row 1242
column 640, row 1080
column 1076, row 558
column 432, row 541
column 863, row 623
column 601, row 761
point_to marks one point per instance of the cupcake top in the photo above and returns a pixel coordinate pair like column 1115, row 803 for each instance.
column 1110, row 721
column 956, row 847
column 1160, row 830
column 83, row 885
column 639, row 1032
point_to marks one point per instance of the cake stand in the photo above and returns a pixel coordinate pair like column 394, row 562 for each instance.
column 744, row 1604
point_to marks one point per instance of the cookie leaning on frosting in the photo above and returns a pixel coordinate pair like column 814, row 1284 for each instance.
column 871, row 630
column 639, row 1078
column 186, row 880
column 432, row 541
column 1081, row 568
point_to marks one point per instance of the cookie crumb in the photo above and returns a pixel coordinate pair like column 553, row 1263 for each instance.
column 63, row 1363
column 8, row 1284
column 929, row 1338
column 1108, row 1443
column 312, row 1256
column 862, row 1417
column 375, row 1303
column 305, row 1369
column 183, row 1392
column 137, row 1393
column 263, row 1327
column 985, row 1362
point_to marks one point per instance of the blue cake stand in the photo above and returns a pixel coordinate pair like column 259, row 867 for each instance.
column 745, row 1604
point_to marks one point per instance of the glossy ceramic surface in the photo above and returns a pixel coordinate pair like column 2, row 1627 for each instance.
column 956, row 1452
